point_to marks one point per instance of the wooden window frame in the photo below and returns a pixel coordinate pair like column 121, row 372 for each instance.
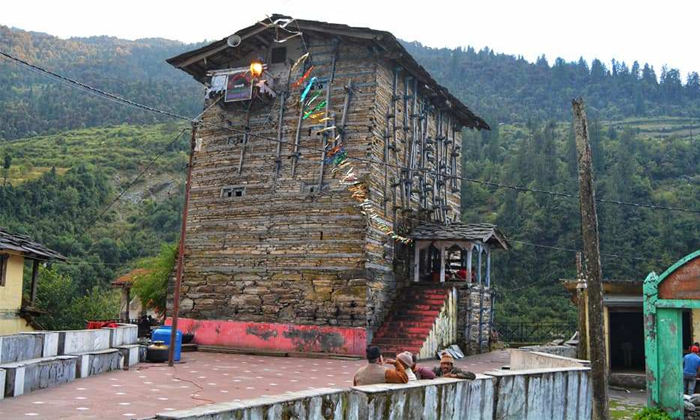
column 236, row 192
column 4, row 258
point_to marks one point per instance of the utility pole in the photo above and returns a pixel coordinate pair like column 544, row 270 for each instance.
column 181, row 254
column 581, row 298
column 591, row 255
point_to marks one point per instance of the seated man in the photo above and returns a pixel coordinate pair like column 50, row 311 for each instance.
column 376, row 373
column 420, row 371
column 406, row 360
column 447, row 369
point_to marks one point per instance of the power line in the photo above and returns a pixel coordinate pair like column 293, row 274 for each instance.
column 138, row 177
column 90, row 89
column 471, row 180
column 113, row 97
column 574, row 250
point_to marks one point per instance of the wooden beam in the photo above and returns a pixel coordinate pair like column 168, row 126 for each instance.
column 215, row 50
column 591, row 254
column 35, row 277
column 416, row 264
column 442, row 263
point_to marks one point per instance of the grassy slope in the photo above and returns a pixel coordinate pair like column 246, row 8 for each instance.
column 123, row 151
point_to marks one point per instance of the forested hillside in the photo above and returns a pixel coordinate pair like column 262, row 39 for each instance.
column 67, row 154
column 31, row 104
column 509, row 89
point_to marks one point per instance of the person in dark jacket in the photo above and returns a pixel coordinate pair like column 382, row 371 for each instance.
column 447, row 369
column 376, row 373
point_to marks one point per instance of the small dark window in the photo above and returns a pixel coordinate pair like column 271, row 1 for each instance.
column 230, row 192
column 279, row 55
column 3, row 268
column 234, row 140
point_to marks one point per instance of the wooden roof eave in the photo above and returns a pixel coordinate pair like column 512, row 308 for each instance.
column 385, row 40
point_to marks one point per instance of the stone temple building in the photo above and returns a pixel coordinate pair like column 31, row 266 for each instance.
column 325, row 198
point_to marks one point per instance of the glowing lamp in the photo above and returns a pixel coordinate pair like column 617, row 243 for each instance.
column 256, row 69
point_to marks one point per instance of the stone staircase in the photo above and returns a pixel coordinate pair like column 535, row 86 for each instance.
column 413, row 319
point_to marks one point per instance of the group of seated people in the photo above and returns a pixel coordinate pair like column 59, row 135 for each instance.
column 404, row 369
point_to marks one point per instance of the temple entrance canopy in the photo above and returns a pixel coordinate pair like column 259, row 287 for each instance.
column 455, row 252
column 665, row 299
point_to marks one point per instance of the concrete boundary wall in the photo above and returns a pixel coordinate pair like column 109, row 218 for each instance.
column 50, row 341
column 123, row 335
column 520, row 360
column 30, row 375
column 18, row 347
column 2, row 383
column 83, row 341
column 559, row 394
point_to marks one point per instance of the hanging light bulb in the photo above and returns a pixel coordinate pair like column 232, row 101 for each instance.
column 256, row 69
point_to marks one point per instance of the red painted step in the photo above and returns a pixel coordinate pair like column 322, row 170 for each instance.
column 409, row 323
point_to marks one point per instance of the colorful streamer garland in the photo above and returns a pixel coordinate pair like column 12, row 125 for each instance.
column 360, row 193
column 338, row 156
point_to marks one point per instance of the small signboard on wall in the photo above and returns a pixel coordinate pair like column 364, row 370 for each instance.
column 239, row 86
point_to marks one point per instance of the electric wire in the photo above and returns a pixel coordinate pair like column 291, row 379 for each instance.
column 132, row 183
column 90, row 89
column 101, row 93
column 470, row 180
column 111, row 96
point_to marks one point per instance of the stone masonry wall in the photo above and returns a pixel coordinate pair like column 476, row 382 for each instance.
column 401, row 125
column 474, row 305
column 281, row 252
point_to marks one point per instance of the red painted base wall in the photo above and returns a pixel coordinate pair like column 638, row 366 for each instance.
column 281, row 337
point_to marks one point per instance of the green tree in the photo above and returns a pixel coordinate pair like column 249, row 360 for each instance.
column 6, row 168
column 152, row 286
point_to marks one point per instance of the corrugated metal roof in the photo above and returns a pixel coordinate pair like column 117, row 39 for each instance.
column 194, row 63
column 24, row 245
column 483, row 232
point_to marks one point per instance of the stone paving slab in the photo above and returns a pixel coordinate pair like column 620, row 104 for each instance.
column 201, row 378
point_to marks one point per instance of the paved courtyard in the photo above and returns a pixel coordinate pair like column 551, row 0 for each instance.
column 201, row 378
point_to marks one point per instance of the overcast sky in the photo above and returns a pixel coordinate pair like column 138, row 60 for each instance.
column 655, row 32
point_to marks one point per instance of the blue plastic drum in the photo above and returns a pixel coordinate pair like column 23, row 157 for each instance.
column 163, row 334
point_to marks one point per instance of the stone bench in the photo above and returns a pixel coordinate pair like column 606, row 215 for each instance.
column 83, row 341
column 49, row 341
column 18, row 347
column 29, row 375
column 122, row 335
column 2, row 383
column 98, row 361
column 132, row 354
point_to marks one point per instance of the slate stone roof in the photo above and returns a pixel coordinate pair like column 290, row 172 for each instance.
column 27, row 247
column 218, row 55
column 483, row 232
column 129, row 278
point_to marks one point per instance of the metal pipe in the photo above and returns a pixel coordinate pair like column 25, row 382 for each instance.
column 445, row 204
column 295, row 154
column 344, row 117
column 280, row 129
column 454, row 159
column 181, row 254
column 394, row 99
column 424, row 133
column 405, row 199
column 412, row 149
column 325, row 124
column 245, row 139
